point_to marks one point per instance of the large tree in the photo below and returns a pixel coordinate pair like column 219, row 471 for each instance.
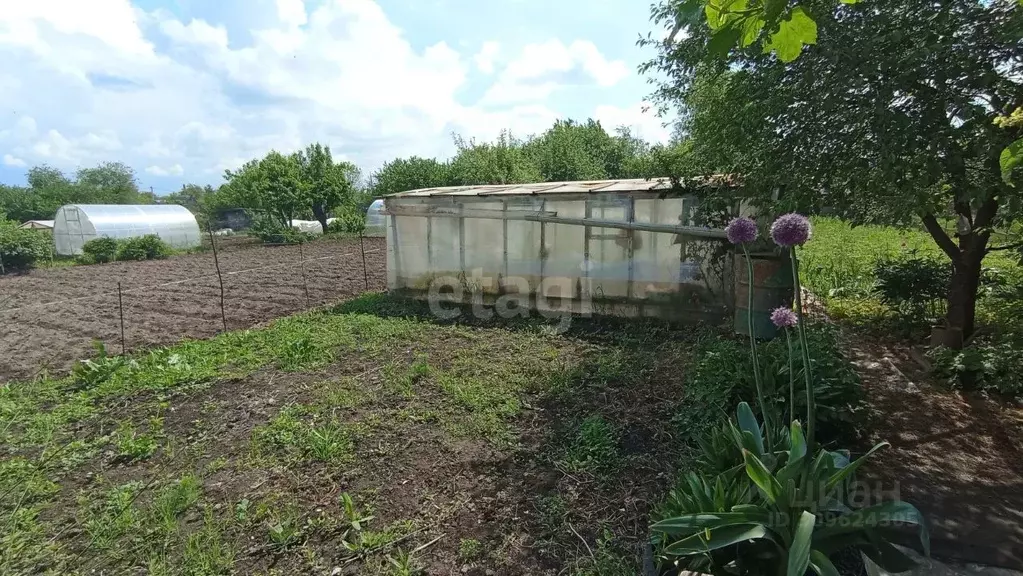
column 326, row 185
column 404, row 174
column 889, row 117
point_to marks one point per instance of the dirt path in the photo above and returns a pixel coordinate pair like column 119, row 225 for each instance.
column 957, row 457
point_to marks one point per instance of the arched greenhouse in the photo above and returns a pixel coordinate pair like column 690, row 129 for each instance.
column 76, row 224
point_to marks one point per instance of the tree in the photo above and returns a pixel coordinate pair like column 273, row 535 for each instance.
column 198, row 199
column 109, row 183
column 890, row 117
column 404, row 174
column 500, row 162
column 326, row 185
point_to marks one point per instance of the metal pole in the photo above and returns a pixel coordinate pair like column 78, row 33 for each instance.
column 362, row 248
column 305, row 283
column 220, row 278
column 120, row 307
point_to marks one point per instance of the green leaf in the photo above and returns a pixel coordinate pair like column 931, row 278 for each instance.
column 888, row 557
column 793, row 32
column 751, row 27
column 874, row 516
column 723, row 40
column 748, row 423
column 799, row 550
column 727, row 536
column 797, row 443
column 856, row 1
column 761, row 476
column 1011, row 156
column 821, row 564
column 692, row 523
column 848, row 470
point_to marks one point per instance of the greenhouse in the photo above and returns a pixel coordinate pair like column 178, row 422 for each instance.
column 619, row 247
column 76, row 224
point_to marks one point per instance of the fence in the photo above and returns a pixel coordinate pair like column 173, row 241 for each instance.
column 50, row 318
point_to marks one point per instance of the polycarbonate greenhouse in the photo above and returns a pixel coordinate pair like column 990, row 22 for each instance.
column 617, row 247
column 76, row 224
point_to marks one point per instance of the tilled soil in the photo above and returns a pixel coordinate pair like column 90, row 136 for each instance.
column 50, row 318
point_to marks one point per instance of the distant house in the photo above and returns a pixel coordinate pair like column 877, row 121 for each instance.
column 38, row 225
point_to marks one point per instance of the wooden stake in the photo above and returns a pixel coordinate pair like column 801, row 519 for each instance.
column 220, row 278
column 120, row 308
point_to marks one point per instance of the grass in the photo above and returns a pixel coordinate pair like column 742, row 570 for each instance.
column 227, row 455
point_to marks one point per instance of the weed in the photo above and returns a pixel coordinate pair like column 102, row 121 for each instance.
column 469, row 549
column 174, row 499
column 206, row 553
column 594, row 448
column 329, row 442
column 134, row 445
column 241, row 510
column 403, row 564
column 299, row 354
column 112, row 515
column 304, row 438
column 284, row 530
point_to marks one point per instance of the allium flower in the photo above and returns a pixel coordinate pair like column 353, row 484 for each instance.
column 741, row 231
column 784, row 317
column 791, row 230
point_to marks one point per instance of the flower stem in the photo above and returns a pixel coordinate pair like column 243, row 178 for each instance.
column 792, row 379
column 811, row 408
column 753, row 351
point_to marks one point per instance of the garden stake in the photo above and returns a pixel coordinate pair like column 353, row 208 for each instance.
column 220, row 278
column 120, row 307
column 362, row 248
column 301, row 263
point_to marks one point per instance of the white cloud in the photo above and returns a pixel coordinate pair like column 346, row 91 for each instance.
column 643, row 123
column 541, row 69
column 486, row 56
column 89, row 85
column 14, row 161
column 175, row 170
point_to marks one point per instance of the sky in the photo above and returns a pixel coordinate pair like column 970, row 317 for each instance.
column 181, row 90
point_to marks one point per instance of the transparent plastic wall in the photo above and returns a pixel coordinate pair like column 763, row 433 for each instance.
column 602, row 270
column 376, row 224
column 76, row 224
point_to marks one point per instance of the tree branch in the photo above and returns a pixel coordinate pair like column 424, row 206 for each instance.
column 1006, row 247
column 941, row 237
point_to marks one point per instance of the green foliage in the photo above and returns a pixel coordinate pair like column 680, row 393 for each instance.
column 469, row 549
column 404, row 174
column 135, row 445
column 174, row 499
column 594, row 449
column 914, row 286
column 107, row 519
column 299, row 437
column 352, row 222
column 271, row 231
column 48, row 189
column 984, row 365
column 723, row 376
column 100, row 250
column 21, row 249
column 500, row 162
column 148, row 247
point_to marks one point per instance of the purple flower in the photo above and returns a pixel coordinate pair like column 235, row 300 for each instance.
column 791, row 230
column 741, row 231
column 784, row 317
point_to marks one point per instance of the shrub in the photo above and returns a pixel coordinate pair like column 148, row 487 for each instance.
column 913, row 286
column 992, row 366
column 21, row 249
column 352, row 222
column 272, row 232
column 100, row 250
column 148, row 247
column 723, row 376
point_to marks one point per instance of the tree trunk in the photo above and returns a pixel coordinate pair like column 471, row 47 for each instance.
column 962, row 298
column 321, row 216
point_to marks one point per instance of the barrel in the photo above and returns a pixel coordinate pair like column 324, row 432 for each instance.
column 772, row 287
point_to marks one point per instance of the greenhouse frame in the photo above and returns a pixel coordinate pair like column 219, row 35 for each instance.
column 615, row 247
column 76, row 224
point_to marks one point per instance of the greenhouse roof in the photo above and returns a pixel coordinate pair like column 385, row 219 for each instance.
column 583, row 186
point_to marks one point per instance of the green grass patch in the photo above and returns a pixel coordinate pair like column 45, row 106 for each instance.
column 594, row 448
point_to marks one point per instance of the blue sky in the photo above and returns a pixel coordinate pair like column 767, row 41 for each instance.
column 181, row 90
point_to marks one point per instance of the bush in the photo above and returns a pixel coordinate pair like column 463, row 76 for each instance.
column 100, row 250
column 913, row 286
column 353, row 223
column 991, row 366
column 272, row 232
column 21, row 249
column 148, row 247
column 724, row 375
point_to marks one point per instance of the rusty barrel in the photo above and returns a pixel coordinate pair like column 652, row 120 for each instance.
column 772, row 287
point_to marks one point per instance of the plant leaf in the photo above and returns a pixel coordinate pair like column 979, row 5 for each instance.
column 797, row 443
column 874, row 516
column 848, row 470
column 761, row 476
column 821, row 564
column 1012, row 156
column 793, row 32
column 691, row 523
column 799, row 550
column 699, row 544
column 748, row 423
column 888, row 557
